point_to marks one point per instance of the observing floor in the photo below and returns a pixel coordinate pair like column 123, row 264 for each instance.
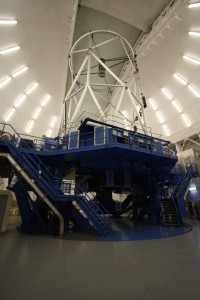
column 40, row 267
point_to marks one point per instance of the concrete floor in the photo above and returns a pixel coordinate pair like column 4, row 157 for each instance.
column 33, row 267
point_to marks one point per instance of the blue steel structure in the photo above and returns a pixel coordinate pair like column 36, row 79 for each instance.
column 74, row 178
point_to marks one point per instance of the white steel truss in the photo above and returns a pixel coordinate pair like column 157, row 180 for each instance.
column 95, row 75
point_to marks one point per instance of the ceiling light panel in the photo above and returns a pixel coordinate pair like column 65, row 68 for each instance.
column 8, row 50
column 191, row 59
column 194, row 91
column 153, row 104
column 53, row 122
column 193, row 5
column 19, row 72
column 166, row 130
column 20, row 100
column 180, row 79
column 45, row 100
column 8, row 22
column 177, row 106
column 9, row 115
column 167, row 94
column 160, row 117
column 49, row 132
column 194, row 33
column 32, row 88
column 186, row 120
column 4, row 81
column 29, row 126
column 36, row 113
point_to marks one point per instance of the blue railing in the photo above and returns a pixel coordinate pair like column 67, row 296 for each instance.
column 48, row 183
column 70, row 187
column 30, row 162
column 101, row 135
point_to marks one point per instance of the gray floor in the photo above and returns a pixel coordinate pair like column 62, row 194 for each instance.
column 52, row 268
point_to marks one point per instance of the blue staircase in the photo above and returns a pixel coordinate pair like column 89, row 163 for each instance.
column 180, row 191
column 170, row 215
column 98, row 219
column 38, row 172
column 181, row 188
column 172, row 196
column 49, row 184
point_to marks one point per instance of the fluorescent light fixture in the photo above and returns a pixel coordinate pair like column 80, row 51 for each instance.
column 53, row 122
column 191, row 59
column 8, row 50
column 20, row 71
column 177, row 106
column 29, row 127
column 49, row 132
column 45, row 100
column 166, row 130
column 193, row 5
column 167, row 93
column 195, row 33
column 160, row 117
column 180, row 79
column 90, row 123
column 5, row 81
column 192, row 188
column 153, row 104
column 193, row 90
column 9, row 115
column 20, row 100
column 8, row 22
column 186, row 120
column 32, row 88
column 37, row 112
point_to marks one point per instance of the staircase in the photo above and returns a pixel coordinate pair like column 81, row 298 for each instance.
column 173, row 191
column 26, row 164
column 38, row 172
column 170, row 215
column 170, row 184
column 98, row 219
column 180, row 190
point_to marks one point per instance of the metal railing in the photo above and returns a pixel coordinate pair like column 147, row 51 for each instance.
column 122, row 122
column 71, row 187
column 32, row 163
column 107, row 135
column 110, row 136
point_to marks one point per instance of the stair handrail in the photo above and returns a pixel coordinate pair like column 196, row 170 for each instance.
column 187, row 176
column 176, row 185
column 42, row 182
column 16, row 142
column 98, row 205
column 180, row 191
column 94, row 204
column 45, row 174
column 175, row 202
column 93, row 197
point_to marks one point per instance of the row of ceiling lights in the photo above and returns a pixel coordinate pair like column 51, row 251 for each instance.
column 37, row 112
column 175, row 103
column 28, row 91
column 193, row 5
column 169, row 96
